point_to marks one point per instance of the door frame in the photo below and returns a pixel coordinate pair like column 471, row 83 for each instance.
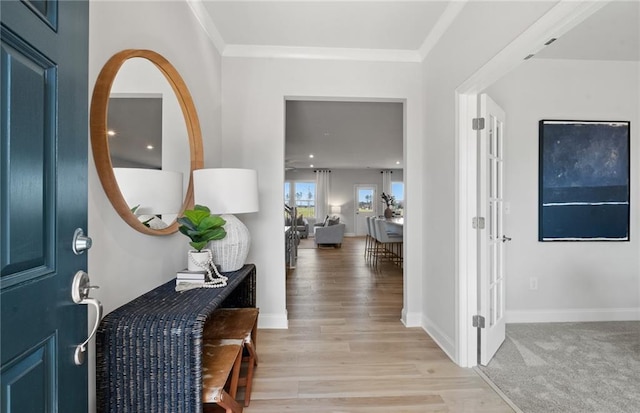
column 558, row 20
column 355, row 203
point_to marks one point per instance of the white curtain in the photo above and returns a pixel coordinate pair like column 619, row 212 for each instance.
column 323, row 191
column 386, row 182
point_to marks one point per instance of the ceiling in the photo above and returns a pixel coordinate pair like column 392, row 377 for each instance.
column 390, row 29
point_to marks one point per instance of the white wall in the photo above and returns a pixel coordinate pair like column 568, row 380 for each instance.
column 479, row 32
column 577, row 281
column 343, row 183
column 123, row 262
column 254, row 92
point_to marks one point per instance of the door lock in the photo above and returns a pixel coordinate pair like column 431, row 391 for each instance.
column 80, row 242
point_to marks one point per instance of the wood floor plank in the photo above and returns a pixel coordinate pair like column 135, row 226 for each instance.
column 347, row 351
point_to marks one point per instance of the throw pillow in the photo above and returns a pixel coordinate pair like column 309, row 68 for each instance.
column 333, row 221
column 300, row 220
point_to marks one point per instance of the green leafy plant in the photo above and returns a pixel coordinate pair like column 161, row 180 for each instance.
column 201, row 226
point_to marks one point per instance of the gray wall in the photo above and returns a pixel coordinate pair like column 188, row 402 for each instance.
column 124, row 262
column 576, row 280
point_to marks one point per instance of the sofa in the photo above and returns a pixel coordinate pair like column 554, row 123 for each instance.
column 301, row 225
column 329, row 235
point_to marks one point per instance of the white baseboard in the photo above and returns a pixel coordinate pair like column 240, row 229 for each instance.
column 349, row 234
column 572, row 315
column 446, row 343
column 273, row 321
column 411, row 319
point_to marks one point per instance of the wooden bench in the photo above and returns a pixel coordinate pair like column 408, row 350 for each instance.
column 221, row 360
column 236, row 324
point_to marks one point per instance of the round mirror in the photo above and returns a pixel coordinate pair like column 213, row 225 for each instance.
column 146, row 140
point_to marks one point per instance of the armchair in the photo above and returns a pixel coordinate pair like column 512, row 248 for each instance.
column 332, row 234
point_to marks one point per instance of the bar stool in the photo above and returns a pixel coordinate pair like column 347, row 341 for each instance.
column 391, row 242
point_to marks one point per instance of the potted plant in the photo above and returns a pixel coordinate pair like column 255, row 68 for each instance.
column 201, row 227
column 389, row 200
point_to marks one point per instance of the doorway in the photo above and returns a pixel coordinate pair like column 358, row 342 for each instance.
column 556, row 22
column 353, row 139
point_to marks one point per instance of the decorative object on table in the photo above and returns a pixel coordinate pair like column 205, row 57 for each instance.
column 583, row 181
column 201, row 227
column 228, row 191
column 191, row 277
column 156, row 194
column 389, row 200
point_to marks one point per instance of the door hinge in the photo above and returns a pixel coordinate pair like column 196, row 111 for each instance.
column 478, row 321
column 477, row 123
column 477, row 222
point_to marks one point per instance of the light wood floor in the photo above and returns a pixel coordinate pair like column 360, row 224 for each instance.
column 347, row 351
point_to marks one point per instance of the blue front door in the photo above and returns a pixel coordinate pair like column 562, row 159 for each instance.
column 43, row 198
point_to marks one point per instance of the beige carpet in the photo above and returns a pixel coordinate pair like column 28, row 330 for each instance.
column 570, row 367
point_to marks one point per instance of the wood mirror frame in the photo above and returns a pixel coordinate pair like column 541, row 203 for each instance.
column 100, row 139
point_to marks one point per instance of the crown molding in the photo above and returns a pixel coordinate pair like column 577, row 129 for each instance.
column 207, row 24
column 322, row 53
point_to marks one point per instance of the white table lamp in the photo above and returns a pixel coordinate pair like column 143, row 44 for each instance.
column 153, row 191
column 227, row 191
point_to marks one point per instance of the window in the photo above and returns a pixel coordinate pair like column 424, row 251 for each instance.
column 302, row 195
column 397, row 190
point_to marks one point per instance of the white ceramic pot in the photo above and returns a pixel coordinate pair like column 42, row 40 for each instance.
column 198, row 260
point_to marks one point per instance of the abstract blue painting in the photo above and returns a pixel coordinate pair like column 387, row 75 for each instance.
column 583, row 181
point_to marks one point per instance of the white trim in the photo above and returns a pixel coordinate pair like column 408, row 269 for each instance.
column 207, row 24
column 412, row 319
column 444, row 21
column 322, row 53
column 466, row 237
column 561, row 18
column 273, row 321
column 573, row 315
column 446, row 343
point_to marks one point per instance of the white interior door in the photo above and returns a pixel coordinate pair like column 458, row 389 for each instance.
column 365, row 206
column 491, row 280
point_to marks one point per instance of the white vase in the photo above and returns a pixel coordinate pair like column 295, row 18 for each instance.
column 198, row 260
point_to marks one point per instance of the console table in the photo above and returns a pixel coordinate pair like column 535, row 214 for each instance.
column 148, row 352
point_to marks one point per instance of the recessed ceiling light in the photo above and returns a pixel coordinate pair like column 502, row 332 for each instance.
column 311, row 155
column 397, row 162
column 111, row 132
column 149, row 147
column 311, row 166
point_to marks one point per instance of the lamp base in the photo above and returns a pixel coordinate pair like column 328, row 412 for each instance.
column 231, row 251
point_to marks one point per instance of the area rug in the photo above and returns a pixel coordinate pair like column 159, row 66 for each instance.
column 570, row 367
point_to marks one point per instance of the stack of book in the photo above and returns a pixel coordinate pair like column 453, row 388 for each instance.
column 191, row 277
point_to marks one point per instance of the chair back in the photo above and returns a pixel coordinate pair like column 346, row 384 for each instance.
column 382, row 234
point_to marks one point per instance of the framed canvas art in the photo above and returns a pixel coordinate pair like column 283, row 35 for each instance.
column 583, row 181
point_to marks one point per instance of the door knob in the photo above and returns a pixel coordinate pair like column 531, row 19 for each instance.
column 505, row 238
column 80, row 289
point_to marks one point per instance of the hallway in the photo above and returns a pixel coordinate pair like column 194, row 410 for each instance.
column 347, row 351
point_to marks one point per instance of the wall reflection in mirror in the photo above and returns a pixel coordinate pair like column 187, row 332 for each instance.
column 148, row 143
